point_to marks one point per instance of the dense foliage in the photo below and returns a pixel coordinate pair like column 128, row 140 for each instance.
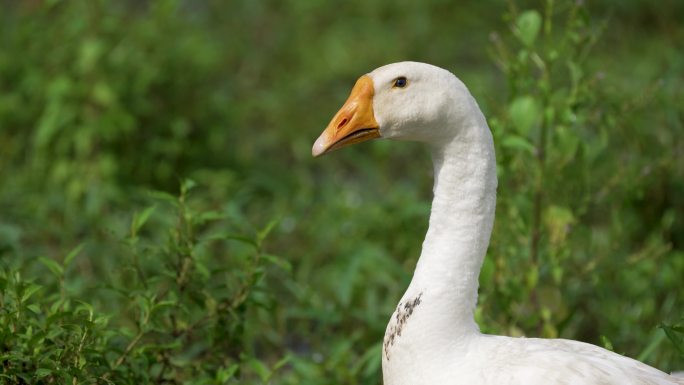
column 161, row 220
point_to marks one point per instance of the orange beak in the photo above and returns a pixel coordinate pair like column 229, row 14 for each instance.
column 353, row 123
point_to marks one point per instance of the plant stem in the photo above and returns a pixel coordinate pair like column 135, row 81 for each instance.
column 128, row 349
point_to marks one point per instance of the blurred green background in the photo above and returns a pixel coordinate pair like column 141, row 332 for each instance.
column 162, row 220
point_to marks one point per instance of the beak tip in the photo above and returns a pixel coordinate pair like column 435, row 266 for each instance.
column 318, row 148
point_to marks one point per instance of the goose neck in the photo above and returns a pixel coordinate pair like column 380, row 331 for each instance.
column 460, row 225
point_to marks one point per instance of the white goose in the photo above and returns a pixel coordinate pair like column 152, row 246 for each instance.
column 432, row 337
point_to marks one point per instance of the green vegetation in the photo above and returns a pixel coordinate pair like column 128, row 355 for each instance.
column 162, row 221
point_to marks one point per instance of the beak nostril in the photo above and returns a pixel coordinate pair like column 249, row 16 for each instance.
column 342, row 123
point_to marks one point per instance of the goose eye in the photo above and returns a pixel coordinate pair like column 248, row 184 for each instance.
column 400, row 82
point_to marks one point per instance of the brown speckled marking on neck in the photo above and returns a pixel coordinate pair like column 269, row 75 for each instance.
column 401, row 315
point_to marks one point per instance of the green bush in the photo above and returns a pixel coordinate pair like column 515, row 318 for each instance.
column 563, row 193
column 280, row 269
column 182, row 308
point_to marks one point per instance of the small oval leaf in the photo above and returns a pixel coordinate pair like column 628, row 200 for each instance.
column 525, row 113
column 528, row 25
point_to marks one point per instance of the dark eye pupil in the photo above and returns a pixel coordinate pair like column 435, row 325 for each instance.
column 400, row 82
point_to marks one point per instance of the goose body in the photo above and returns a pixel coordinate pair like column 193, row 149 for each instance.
column 432, row 337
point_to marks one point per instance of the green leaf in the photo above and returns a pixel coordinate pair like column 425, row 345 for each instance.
column 139, row 219
column 525, row 113
column 656, row 339
column 34, row 308
column 576, row 72
column 202, row 269
column 225, row 374
column 558, row 221
column 606, row 343
column 518, row 143
column 54, row 267
column 259, row 368
column 42, row 372
column 90, row 52
column 676, row 335
column 527, row 26
column 84, row 306
column 187, row 185
column 208, row 216
column 72, row 254
column 162, row 304
column 29, row 291
column 566, row 145
column 278, row 261
column 164, row 196
column 282, row 362
column 234, row 237
column 263, row 233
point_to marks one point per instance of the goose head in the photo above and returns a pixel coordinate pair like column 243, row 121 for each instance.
column 404, row 101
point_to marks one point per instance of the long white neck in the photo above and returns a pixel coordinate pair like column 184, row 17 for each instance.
column 445, row 281
column 460, row 226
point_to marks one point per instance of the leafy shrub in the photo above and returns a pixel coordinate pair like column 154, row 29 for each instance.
column 562, row 203
column 183, row 309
